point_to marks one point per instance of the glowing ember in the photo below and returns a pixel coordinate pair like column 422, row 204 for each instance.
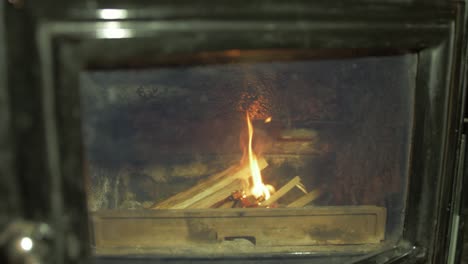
column 268, row 120
column 258, row 189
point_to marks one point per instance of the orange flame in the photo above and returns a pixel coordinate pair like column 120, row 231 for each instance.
column 258, row 189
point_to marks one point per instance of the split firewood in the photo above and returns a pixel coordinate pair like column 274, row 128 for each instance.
column 228, row 204
column 283, row 190
column 247, row 201
column 238, row 199
column 208, row 187
column 306, row 199
column 232, row 201
column 222, row 194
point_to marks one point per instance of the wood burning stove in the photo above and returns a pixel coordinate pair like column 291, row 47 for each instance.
column 256, row 131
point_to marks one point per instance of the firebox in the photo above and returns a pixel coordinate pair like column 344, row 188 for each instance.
column 249, row 152
column 258, row 131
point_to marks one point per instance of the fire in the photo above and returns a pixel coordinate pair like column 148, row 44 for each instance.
column 258, row 189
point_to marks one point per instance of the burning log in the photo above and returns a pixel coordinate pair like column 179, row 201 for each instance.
column 228, row 204
column 237, row 199
column 296, row 181
column 306, row 199
column 206, row 188
column 245, row 201
column 220, row 195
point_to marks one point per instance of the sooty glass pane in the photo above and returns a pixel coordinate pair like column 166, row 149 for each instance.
column 305, row 136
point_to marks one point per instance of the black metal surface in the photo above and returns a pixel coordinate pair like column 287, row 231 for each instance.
column 258, row 9
column 9, row 200
column 46, row 109
column 26, row 120
column 462, row 246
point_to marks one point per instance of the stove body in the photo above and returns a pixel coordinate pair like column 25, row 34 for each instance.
column 135, row 125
